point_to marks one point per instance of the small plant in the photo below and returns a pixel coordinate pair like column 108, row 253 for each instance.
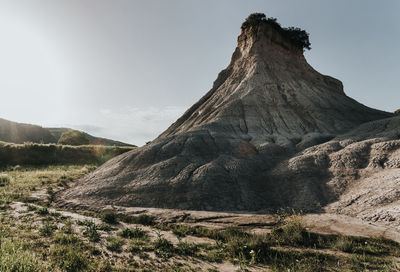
column 115, row 244
column 31, row 208
column 47, row 229
column 133, row 233
column 163, row 248
column 105, row 227
column 69, row 259
column 104, row 266
column 42, row 211
column 292, row 232
column 91, row 232
column 214, row 255
column 188, row 249
column 109, row 217
column 139, row 246
column 67, row 228
column 344, row 244
column 4, row 180
column 66, row 239
column 142, row 219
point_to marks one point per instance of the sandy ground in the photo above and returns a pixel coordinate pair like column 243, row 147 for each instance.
column 326, row 223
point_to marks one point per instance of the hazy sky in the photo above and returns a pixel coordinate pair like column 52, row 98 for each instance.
column 127, row 69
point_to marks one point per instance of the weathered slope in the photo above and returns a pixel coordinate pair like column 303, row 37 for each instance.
column 270, row 89
column 359, row 170
column 235, row 148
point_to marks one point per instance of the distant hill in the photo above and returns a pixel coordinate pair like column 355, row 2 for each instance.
column 20, row 133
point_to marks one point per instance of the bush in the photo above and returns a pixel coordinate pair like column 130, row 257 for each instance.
column 397, row 112
column 253, row 20
column 73, row 137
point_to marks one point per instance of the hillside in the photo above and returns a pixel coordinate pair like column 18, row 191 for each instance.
column 19, row 133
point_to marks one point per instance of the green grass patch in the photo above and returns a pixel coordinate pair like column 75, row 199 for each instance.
column 26, row 180
column 15, row 256
column 68, row 258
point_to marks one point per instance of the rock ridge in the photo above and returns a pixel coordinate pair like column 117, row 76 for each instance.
column 263, row 138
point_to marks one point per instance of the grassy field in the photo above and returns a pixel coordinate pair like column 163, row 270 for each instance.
column 34, row 236
column 45, row 154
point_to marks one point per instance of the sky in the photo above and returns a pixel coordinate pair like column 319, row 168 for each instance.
column 127, row 69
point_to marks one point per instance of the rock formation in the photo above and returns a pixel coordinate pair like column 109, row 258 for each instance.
column 272, row 133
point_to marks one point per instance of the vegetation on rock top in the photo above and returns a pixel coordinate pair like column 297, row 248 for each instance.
column 297, row 35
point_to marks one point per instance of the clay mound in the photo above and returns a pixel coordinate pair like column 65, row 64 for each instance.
column 243, row 145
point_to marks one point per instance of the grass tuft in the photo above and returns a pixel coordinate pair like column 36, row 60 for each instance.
column 163, row 248
column 109, row 217
column 131, row 233
column 115, row 244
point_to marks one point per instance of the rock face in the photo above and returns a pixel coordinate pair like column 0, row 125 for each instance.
column 265, row 137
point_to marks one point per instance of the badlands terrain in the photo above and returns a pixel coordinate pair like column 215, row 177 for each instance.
column 274, row 169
